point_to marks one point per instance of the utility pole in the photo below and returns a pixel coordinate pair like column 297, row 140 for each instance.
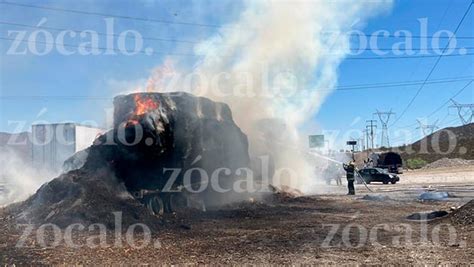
column 466, row 118
column 366, row 134
column 355, row 147
column 427, row 129
column 384, row 117
column 360, row 143
column 371, row 124
column 352, row 143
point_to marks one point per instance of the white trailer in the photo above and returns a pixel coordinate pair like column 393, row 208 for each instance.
column 52, row 144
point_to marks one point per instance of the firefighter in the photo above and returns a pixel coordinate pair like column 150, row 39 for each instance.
column 338, row 179
column 337, row 174
column 350, row 170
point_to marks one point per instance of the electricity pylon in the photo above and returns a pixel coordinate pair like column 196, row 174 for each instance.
column 384, row 117
column 427, row 129
column 464, row 107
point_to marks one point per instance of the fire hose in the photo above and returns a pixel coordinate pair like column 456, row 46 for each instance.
column 363, row 180
column 335, row 161
column 341, row 163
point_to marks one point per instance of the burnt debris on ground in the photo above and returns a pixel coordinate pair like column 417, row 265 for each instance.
column 85, row 197
column 464, row 215
column 426, row 216
column 377, row 197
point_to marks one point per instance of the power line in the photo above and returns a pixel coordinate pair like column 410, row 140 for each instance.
column 447, row 102
column 451, row 121
column 151, row 52
column 145, row 52
column 419, row 36
column 401, row 83
column 406, row 49
column 339, row 88
column 83, row 12
column 444, row 104
column 427, row 129
column 409, row 57
column 435, row 65
column 104, row 34
column 111, row 15
column 417, row 129
column 195, row 41
column 366, row 86
column 421, row 60
column 444, row 118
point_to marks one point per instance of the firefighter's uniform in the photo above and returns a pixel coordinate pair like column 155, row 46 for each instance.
column 350, row 170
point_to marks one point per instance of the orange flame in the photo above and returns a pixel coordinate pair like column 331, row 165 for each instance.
column 160, row 77
column 142, row 106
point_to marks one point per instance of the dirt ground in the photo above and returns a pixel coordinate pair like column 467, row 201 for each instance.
column 330, row 228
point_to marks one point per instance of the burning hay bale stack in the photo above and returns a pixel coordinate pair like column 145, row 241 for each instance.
column 156, row 137
column 182, row 132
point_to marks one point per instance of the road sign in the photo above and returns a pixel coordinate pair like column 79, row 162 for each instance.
column 351, row 143
column 316, row 141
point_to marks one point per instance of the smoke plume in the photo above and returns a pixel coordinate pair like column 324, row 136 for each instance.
column 18, row 178
column 275, row 66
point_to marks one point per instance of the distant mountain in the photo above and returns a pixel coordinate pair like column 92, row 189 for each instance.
column 451, row 142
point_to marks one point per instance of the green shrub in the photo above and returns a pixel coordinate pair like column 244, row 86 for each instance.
column 416, row 163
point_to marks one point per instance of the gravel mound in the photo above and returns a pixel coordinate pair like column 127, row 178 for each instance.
column 447, row 162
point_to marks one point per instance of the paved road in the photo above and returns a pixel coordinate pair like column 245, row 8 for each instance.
column 457, row 181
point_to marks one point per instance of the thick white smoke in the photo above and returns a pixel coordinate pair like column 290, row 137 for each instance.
column 275, row 66
column 18, row 179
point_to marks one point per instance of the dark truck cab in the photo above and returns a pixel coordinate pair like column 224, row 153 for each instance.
column 378, row 175
column 390, row 161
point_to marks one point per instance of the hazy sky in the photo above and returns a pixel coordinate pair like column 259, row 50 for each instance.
column 56, row 87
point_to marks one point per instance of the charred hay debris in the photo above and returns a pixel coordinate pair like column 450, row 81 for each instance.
column 464, row 215
column 125, row 169
column 85, row 197
column 427, row 216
